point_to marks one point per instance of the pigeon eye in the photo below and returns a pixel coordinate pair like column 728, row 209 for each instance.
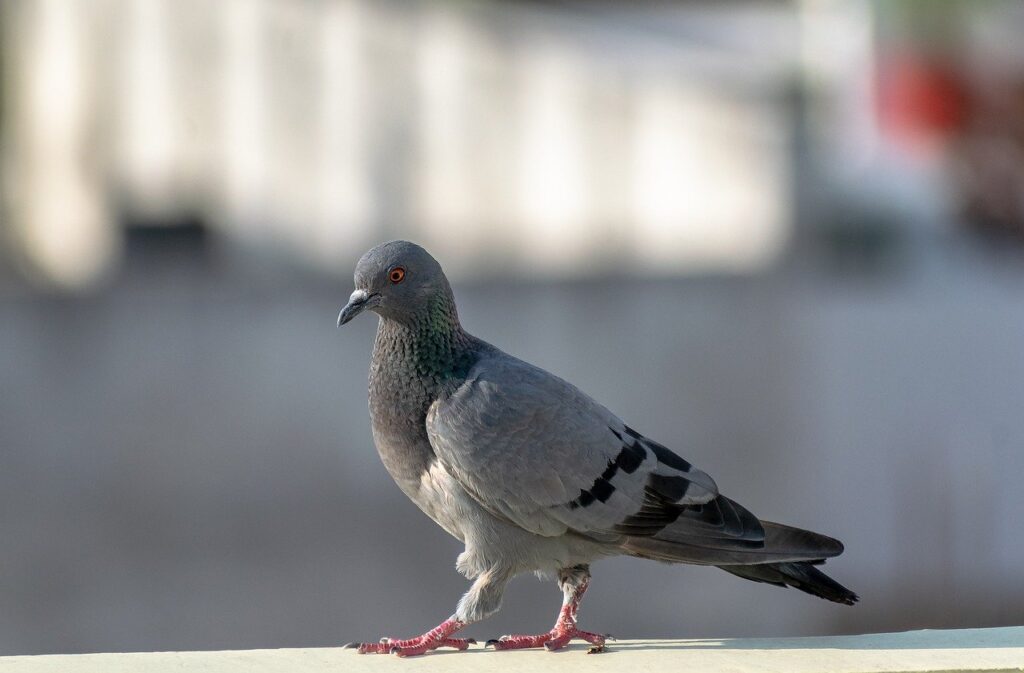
column 396, row 275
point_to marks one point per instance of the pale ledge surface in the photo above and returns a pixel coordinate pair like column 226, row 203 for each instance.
column 933, row 651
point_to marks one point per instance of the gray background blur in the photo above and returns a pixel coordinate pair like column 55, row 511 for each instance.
column 784, row 239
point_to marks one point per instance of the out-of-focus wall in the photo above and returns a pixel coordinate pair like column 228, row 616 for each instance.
column 534, row 138
column 186, row 459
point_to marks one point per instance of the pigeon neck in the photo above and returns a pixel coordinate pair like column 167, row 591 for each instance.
column 432, row 343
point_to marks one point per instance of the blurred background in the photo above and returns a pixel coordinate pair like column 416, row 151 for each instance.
column 783, row 238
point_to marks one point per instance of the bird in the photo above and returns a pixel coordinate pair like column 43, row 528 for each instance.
column 533, row 475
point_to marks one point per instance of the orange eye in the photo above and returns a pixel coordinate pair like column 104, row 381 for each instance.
column 396, row 275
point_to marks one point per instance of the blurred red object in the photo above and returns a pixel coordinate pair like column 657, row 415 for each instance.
column 920, row 100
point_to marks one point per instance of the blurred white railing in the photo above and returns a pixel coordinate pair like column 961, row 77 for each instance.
column 528, row 137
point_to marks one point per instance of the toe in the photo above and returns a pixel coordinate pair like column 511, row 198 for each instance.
column 414, row 651
column 592, row 638
column 368, row 648
column 556, row 643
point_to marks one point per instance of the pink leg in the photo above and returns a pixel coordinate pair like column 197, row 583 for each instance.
column 439, row 636
column 574, row 582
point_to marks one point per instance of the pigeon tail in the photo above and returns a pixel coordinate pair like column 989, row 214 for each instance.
column 801, row 575
column 785, row 556
column 723, row 532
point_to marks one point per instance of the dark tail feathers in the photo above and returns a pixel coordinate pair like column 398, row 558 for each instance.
column 801, row 575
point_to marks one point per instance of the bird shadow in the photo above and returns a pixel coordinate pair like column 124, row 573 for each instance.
column 913, row 640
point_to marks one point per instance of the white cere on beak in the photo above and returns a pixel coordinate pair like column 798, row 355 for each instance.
column 358, row 295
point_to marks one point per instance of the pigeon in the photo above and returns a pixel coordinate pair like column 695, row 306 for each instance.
column 533, row 475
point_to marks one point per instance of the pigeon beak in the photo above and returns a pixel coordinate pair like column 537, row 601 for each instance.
column 357, row 303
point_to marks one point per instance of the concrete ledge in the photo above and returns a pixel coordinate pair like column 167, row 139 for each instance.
column 918, row 651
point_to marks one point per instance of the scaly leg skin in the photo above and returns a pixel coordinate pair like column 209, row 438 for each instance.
column 481, row 601
column 574, row 582
column 439, row 636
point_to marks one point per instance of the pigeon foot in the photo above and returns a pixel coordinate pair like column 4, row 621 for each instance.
column 409, row 647
column 574, row 582
column 555, row 639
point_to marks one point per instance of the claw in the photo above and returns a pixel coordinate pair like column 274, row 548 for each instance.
column 350, row 646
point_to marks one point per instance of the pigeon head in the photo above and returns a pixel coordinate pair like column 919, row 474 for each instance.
column 400, row 281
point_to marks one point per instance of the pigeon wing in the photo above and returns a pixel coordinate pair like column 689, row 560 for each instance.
column 539, row 452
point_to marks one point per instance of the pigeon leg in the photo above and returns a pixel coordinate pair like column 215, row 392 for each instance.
column 573, row 582
column 482, row 600
column 439, row 636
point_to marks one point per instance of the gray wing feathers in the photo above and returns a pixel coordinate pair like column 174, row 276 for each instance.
column 539, row 452
column 780, row 543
